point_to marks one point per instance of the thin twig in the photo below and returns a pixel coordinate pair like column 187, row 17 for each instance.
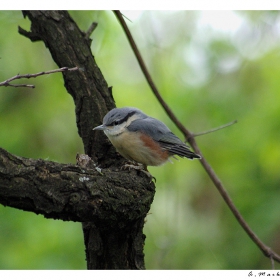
column 18, row 85
column 188, row 135
column 91, row 29
column 214, row 129
column 126, row 17
column 28, row 76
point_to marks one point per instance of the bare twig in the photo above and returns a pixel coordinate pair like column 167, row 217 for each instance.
column 190, row 137
column 91, row 29
column 28, row 76
column 126, row 17
column 214, row 129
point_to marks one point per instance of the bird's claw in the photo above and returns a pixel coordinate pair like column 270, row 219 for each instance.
column 139, row 167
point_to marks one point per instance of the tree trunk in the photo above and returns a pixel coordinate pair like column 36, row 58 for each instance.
column 112, row 206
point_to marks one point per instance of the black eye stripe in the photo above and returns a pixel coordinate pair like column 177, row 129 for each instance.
column 120, row 121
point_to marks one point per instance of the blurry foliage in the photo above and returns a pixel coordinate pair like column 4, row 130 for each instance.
column 208, row 77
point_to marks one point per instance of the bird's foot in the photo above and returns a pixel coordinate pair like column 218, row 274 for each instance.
column 140, row 167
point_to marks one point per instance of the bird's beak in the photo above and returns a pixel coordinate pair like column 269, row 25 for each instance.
column 100, row 127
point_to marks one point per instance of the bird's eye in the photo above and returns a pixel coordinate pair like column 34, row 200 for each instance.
column 116, row 122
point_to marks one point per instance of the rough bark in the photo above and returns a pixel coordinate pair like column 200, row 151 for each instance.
column 111, row 206
column 72, row 193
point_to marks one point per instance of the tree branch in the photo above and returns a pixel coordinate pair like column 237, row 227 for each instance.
column 70, row 192
column 214, row 129
column 30, row 35
column 190, row 137
column 90, row 30
column 28, row 76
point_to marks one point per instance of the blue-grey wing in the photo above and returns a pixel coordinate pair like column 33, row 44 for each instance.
column 162, row 134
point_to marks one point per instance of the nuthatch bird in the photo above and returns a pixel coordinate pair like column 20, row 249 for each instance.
column 143, row 139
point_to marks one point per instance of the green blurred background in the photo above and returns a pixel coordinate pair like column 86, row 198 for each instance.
column 211, row 68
